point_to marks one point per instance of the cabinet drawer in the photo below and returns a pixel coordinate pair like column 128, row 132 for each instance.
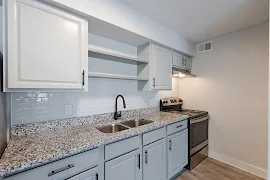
column 176, row 127
column 87, row 175
column 61, row 169
column 118, row 148
column 153, row 136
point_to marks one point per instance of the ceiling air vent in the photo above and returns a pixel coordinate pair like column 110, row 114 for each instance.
column 204, row 47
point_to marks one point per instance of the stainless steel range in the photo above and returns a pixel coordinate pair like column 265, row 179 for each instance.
column 198, row 129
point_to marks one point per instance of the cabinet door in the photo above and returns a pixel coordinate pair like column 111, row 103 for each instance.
column 177, row 59
column 46, row 48
column 126, row 167
column 154, row 166
column 188, row 63
column 161, row 68
column 91, row 174
column 177, row 152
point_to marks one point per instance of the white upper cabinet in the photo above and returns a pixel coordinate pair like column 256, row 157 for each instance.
column 158, row 70
column 45, row 48
column 161, row 68
column 182, row 61
column 178, row 59
column 188, row 62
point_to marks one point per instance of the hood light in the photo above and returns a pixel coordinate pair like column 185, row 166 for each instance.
column 181, row 75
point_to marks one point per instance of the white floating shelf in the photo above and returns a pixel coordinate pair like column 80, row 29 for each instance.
column 115, row 54
column 115, row 76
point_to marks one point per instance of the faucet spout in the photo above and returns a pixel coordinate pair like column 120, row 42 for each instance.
column 116, row 113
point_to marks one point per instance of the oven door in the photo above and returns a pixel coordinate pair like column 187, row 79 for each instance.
column 198, row 134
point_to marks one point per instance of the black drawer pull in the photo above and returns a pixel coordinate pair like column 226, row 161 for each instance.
column 53, row 172
column 179, row 126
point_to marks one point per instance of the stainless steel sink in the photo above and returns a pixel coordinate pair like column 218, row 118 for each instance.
column 136, row 123
column 113, row 128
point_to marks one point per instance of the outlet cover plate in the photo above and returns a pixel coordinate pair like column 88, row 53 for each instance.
column 68, row 109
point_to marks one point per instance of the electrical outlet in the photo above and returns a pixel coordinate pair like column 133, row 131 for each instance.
column 68, row 109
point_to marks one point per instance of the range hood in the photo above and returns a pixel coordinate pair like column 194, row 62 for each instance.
column 181, row 73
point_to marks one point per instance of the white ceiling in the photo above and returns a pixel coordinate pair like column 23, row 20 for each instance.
column 200, row 20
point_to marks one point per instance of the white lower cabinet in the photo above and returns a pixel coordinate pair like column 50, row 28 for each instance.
column 154, row 166
column 143, row 157
column 91, row 174
column 64, row 168
column 177, row 152
column 126, row 167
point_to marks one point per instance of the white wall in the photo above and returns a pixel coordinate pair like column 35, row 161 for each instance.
column 118, row 14
column 100, row 98
column 232, row 85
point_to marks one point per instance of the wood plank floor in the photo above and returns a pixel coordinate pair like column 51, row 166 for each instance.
column 211, row 169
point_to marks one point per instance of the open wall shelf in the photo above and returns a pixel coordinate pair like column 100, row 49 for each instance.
column 112, row 59
column 115, row 55
column 115, row 76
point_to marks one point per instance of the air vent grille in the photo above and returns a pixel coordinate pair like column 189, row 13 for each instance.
column 204, row 47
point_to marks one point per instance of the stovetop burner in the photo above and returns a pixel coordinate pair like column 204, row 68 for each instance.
column 174, row 105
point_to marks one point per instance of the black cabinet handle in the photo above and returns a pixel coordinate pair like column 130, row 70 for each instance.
column 154, row 80
column 83, row 78
column 179, row 126
column 146, row 158
column 170, row 145
column 97, row 176
column 53, row 172
column 139, row 161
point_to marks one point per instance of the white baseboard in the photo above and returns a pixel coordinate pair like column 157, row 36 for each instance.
column 239, row 164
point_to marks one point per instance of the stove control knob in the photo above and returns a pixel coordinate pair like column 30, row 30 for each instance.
column 179, row 100
column 166, row 101
column 171, row 101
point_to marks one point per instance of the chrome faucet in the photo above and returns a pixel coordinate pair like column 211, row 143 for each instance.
column 118, row 114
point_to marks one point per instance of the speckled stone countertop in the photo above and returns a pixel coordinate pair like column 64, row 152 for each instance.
column 34, row 149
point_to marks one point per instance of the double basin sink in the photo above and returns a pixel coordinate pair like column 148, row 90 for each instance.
column 113, row 128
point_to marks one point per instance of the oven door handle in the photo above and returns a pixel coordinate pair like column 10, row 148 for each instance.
column 199, row 120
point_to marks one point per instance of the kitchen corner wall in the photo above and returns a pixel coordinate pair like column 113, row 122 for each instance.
column 100, row 98
column 232, row 84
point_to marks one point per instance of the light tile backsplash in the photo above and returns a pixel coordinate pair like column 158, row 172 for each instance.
column 100, row 98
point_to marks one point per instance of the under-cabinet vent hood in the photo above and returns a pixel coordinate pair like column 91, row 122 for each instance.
column 181, row 73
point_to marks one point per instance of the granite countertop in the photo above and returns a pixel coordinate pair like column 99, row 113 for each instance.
column 35, row 149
